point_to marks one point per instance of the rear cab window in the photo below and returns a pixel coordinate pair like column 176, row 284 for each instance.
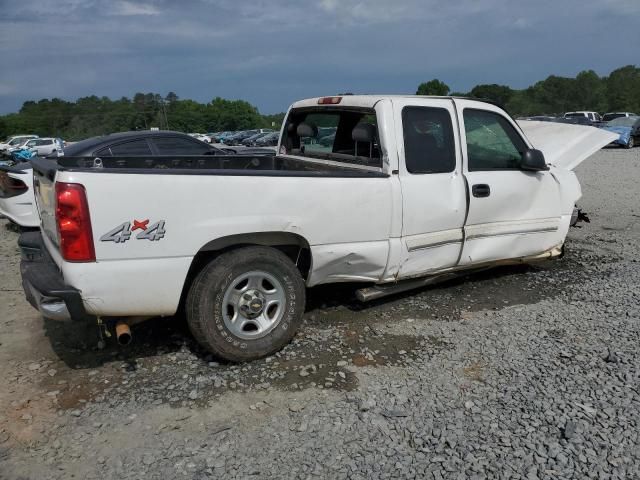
column 341, row 134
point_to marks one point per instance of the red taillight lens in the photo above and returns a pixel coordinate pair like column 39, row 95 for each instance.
column 329, row 100
column 74, row 223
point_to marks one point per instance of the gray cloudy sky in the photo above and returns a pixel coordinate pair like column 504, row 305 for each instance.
column 274, row 52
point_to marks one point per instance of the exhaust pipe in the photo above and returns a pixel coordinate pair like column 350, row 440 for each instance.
column 123, row 333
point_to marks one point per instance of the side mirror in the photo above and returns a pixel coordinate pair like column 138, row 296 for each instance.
column 533, row 161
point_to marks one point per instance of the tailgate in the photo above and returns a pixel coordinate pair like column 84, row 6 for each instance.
column 44, row 174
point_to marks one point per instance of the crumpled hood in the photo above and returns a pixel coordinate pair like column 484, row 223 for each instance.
column 624, row 133
column 618, row 130
column 565, row 145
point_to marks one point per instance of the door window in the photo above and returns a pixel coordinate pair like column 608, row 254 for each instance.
column 492, row 142
column 428, row 140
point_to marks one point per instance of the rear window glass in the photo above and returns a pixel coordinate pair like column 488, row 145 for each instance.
column 134, row 148
column 343, row 135
column 179, row 146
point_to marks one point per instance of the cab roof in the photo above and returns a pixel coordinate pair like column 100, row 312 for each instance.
column 369, row 101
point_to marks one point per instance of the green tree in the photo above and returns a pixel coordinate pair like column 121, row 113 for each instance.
column 500, row 94
column 623, row 89
column 433, row 87
column 590, row 92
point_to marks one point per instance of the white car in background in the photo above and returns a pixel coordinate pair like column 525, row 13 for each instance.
column 45, row 147
column 607, row 117
column 15, row 141
column 201, row 136
column 592, row 116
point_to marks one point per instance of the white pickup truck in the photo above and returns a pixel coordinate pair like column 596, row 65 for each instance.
column 409, row 190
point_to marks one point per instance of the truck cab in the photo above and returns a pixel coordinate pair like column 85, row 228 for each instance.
column 460, row 192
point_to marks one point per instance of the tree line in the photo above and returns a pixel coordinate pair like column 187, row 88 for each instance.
column 617, row 92
column 90, row 116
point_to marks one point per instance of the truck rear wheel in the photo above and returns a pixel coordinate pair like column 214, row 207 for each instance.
column 246, row 304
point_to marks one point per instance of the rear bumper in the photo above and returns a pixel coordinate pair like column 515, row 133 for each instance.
column 43, row 284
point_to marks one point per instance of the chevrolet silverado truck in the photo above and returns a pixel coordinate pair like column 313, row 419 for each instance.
column 411, row 190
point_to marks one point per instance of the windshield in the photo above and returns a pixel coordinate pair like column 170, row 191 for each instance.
column 574, row 115
column 623, row 122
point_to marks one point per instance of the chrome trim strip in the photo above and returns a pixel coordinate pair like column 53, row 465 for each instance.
column 515, row 232
column 433, row 245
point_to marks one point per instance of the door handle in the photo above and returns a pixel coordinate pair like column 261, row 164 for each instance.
column 481, row 190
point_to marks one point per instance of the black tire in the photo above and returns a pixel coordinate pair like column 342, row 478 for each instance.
column 204, row 303
column 632, row 142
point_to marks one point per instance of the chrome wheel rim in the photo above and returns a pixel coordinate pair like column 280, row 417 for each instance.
column 253, row 305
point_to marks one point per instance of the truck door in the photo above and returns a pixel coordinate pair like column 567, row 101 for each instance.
column 433, row 188
column 512, row 213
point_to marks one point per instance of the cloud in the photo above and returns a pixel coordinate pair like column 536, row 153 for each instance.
column 622, row 7
column 6, row 89
column 125, row 8
column 272, row 52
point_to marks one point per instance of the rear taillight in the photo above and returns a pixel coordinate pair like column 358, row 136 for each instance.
column 10, row 187
column 74, row 223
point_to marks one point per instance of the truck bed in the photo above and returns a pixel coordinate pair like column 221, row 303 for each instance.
column 231, row 165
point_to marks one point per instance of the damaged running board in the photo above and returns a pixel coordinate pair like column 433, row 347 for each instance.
column 378, row 291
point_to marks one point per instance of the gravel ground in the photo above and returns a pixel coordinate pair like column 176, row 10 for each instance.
column 527, row 372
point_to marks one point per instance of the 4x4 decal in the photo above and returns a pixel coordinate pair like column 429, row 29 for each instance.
column 123, row 232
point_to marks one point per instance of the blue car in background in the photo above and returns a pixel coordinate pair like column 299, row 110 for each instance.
column 628, row 128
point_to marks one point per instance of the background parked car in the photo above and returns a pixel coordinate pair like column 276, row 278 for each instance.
column 270, row 139
column 607, row 117
column 16, row 194
column 239, row 137
column 592, row 116
column 539, row 118
column 577, row 120
column 222, row 136
column 201, row 136
column 251, row 141
column 143, row 143
column 327, row 140
column 18, row 203
column 628, row 128
column 47, row 146
column 15, row 141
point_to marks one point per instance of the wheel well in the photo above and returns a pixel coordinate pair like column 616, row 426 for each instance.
column 293, row 246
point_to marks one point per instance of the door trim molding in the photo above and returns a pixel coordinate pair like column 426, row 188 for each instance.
column 522, row 227
column 434, row 239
